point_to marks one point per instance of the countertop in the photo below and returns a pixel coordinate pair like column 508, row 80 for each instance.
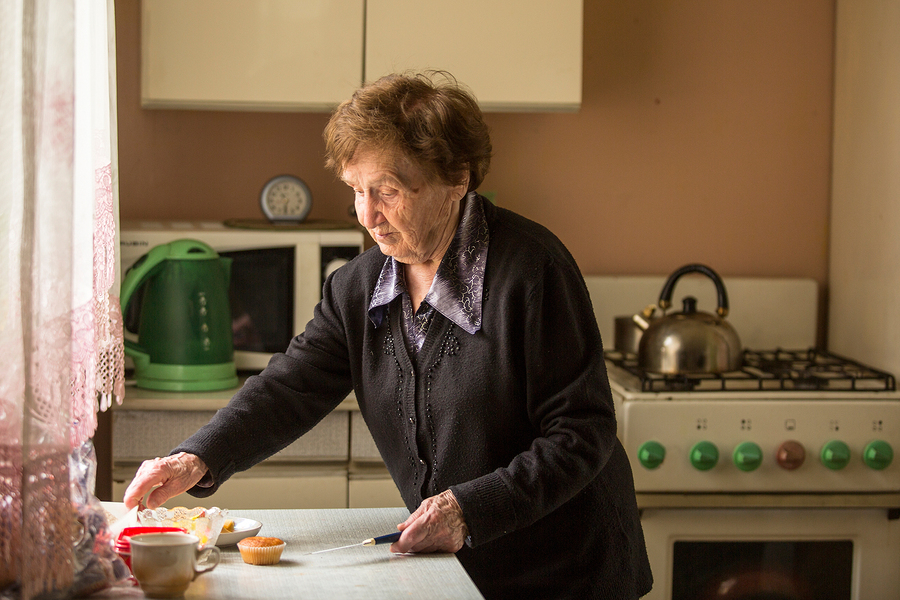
column 141, row 399
column 370, row 572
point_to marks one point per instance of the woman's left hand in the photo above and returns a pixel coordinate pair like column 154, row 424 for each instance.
column 436, row 526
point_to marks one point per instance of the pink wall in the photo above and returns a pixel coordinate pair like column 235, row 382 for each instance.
column 705, row 135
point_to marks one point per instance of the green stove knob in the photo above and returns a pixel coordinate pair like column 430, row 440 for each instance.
column 704, row 456
column 651, row 454
column 835, row 455
column 878, row 454
column 747, row 456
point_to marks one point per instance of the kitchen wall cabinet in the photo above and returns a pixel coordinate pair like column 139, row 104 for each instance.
column 250, row 54
column 514, row 54
column 286, row 55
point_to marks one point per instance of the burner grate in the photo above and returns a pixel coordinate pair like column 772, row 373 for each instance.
column 766, row 370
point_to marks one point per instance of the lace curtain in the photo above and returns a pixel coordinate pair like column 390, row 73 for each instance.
column 60, row 322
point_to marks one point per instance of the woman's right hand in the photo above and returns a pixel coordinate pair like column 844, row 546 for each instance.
column 437, row 525
column 170, row 475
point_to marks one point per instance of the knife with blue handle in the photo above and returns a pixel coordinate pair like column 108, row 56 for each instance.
column 382, row 539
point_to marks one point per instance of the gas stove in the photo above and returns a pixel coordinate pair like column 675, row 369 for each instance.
column 772, row 467
column 764, row 370
column 788, row 422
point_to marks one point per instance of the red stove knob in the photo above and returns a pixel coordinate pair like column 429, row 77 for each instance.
column 790, row 455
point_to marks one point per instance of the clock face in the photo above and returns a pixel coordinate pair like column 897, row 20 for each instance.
column 285, row 198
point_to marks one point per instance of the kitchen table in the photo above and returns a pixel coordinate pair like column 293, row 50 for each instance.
column 369, row 572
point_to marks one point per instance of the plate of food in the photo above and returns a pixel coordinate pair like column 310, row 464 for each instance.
column 235, row 529
column 205, row 523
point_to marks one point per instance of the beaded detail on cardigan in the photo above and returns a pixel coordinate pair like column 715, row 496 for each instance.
column 389, row 350
column 449, row 347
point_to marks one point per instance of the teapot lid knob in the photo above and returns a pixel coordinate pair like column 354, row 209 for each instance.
column 689, row 305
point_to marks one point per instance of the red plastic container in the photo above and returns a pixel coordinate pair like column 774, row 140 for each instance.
column 123, row 543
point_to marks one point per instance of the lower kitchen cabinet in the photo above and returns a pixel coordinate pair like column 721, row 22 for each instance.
column 142, row 434
column 373, row 493
column 262, row 487
column 335, row 465
column 369, row 483
column 371, row 486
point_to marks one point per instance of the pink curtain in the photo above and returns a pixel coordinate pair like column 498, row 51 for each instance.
column 60, row 322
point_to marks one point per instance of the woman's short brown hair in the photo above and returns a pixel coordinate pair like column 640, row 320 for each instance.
column 428, row 117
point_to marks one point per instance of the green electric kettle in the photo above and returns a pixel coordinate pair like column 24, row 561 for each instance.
column 184, row 337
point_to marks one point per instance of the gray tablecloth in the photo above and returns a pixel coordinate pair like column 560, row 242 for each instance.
column 369, row 572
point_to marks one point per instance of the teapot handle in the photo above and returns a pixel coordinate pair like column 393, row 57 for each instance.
column 665, row 296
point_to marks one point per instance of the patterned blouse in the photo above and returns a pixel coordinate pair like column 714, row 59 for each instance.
column 458, row 285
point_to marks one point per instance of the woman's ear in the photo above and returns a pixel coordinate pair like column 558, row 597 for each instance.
column 463, row 187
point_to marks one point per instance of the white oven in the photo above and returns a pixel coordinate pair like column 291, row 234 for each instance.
column 775, row 494
column 773, row 553
column 775, row 482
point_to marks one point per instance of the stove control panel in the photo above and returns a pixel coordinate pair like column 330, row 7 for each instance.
column 762, row 446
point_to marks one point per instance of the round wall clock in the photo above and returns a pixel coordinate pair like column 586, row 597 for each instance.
column 285, row 199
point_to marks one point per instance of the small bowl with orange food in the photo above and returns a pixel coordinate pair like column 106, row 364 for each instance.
column 235, row 529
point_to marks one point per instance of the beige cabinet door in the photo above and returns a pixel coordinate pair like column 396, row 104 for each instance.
column 250, row 54
column 301, row 487
column 513, row 54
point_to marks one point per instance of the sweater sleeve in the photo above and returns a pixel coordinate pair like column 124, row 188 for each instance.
column 569, row 406
column 296, row 390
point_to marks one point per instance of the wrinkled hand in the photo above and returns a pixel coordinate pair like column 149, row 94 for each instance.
column 436, row 526
column 173, row 474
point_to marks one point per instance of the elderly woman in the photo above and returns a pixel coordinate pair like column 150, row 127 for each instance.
column 469, row 339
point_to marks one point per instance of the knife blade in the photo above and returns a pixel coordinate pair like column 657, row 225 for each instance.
column 382, row 539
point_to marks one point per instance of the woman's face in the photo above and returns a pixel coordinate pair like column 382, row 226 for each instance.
column 409, row 218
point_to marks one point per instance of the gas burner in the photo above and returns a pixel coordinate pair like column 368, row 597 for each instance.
column 764, row 370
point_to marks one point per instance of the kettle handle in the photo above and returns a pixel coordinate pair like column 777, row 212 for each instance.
column 665, row 296
column 141, row 270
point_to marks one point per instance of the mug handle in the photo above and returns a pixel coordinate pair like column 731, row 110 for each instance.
column 212, row 551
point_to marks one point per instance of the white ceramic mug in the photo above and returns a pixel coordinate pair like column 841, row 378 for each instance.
column 165, row 564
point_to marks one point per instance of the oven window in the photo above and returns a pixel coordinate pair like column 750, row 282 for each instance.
column 262, row 298
column 763, row 570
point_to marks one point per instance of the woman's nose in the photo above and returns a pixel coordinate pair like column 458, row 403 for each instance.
column 366, row 213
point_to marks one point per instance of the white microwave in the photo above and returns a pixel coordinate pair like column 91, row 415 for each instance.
column 277, row 274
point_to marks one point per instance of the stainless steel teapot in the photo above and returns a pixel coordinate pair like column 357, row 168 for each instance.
column 690, row 342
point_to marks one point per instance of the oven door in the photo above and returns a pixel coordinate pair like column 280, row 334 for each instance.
column 775, row 554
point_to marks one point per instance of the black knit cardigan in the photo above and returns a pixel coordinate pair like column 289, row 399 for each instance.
column 517, row 419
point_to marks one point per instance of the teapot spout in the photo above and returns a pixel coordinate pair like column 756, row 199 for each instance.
column 642, row 319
